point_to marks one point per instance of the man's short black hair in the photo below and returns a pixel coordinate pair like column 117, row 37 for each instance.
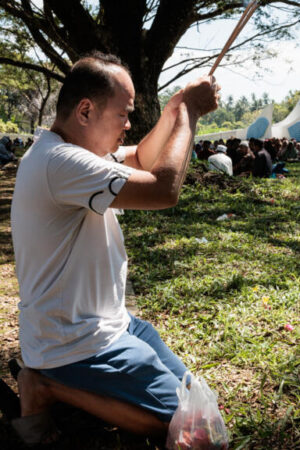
column 206, row 144
column 259, row 143
column 90, row 77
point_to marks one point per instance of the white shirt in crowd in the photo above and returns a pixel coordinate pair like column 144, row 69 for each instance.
column 71, row 262
column 220, row 163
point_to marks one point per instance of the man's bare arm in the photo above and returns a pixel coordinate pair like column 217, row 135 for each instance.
column 144, row 155
column 159, row 187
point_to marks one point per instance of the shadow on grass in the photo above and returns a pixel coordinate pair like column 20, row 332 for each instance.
column 82, row 431
column 6, row 249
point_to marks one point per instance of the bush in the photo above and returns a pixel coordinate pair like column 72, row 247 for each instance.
column 11, row 127
column 239, row 124
column 8, row 127
column 228, row 125
column 2, row 126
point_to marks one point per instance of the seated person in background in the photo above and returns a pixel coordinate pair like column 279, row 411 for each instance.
column 262, row 164
column 277, row 146
column 232, row 146
column 279, row 169
column 289, row 153
column 282, row 150
column 194, row 154
column 220, row 162
column 18, row 142
column 271, row 149
column 6, row 155
column 246, row 159
column 198, row 148
column 251, row 144
column 206, row 151
column 28, row 143
column 215, row 145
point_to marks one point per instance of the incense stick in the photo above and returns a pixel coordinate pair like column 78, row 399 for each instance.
column 252, row 6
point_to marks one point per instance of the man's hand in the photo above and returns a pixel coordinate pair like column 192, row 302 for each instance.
column 201, row 96
column 173, row 104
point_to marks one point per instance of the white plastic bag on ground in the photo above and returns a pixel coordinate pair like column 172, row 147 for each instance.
column 225, row 217
column 197, row 423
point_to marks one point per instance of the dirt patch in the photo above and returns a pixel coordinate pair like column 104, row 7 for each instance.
column 201, row 175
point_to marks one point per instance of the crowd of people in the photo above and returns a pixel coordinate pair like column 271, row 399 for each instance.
column 260, row 158
column 8, row 148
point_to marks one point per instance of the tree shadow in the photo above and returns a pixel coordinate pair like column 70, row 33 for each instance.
column 82, row 431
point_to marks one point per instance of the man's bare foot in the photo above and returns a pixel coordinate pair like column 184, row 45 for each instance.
column 35, row 393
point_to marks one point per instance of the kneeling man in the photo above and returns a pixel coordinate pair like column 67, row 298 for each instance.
column 71, row 264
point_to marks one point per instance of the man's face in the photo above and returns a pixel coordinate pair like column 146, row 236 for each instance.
column 109, row 125
column 251, row 145
column 243, row 150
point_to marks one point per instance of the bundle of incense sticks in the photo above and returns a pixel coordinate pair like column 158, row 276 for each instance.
column 252, row 6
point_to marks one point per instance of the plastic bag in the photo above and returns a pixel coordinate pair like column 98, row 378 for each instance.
column 225, row 217
column 197, row 423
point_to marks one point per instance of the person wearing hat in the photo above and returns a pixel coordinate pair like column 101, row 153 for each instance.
column 220, row 162
column 245, row 162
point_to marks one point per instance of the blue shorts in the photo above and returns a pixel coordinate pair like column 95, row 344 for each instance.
column 138, row 368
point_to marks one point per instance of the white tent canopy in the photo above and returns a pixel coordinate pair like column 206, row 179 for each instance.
column 290, row 126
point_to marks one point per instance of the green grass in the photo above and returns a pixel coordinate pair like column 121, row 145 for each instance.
column 223, row 306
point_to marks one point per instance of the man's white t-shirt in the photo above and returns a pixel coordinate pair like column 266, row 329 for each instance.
column 71, row 262
column 220, row 163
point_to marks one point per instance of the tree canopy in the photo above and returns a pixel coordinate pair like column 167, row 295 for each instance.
column 49, row 35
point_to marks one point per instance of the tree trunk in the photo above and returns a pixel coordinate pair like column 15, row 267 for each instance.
column 146, row 108
column 144, row 116
column 32, row 124
column 44, row 101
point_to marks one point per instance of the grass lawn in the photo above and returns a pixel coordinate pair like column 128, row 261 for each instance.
column 223, row 306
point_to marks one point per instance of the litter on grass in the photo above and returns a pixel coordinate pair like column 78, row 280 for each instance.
column 225, row 217
column 203, row 240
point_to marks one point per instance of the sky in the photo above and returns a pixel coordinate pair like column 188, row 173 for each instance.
column 277, row 76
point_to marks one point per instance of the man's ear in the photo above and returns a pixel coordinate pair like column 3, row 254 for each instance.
column 83, row 111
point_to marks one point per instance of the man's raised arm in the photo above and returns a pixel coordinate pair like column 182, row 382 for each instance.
column 158, row 184
column 144, row 155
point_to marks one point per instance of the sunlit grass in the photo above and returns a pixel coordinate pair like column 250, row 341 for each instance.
column 223, row 306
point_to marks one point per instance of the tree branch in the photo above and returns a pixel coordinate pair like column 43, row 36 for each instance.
column 205, row 60
column 26, row 14
column 88, row 37
column 172, row 19
column 287, row 2
column 57, row 34
column 223, row 8
column 31, row 66
column 33, row 26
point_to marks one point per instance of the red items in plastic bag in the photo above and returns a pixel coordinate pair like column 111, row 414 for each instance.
column 197, row 423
